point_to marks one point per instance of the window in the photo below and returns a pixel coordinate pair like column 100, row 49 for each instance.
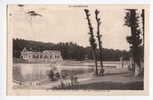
column 33, row 56
column 37, row 56
column 41, row 56
column 45, row 56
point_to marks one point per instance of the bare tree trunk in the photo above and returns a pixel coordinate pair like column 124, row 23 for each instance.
column 99, row 42
column 96, row 65
column 91, row 39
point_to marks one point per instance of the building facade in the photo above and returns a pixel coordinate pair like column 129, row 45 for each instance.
column 47, row 56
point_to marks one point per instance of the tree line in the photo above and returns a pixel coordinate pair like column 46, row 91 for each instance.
column 69, row 50
column 135, row 21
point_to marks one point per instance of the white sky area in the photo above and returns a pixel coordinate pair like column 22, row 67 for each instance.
column 68, row 24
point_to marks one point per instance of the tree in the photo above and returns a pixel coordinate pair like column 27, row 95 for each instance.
column 32, row 14
column 92, row 39
column 72, row 51
column 143, row 30
column 143, row 23
column 135, row 41
column 99, row 40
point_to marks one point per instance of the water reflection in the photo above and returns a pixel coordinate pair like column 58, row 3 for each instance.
column 37, row 72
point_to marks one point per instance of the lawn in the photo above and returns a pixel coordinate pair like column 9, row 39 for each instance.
column 105, row 86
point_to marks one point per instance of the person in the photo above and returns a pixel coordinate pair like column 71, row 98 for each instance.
column 57, row 75
column 51, row 75
column 101, row 72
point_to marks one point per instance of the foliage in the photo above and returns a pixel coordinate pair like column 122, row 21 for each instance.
column 135, row 40
column 68, row 50
column 92, row 38
column 99, row 41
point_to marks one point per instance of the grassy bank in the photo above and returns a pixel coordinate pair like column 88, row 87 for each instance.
column 106, row 86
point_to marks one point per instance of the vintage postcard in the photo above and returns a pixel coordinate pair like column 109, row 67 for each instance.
column 77, row 49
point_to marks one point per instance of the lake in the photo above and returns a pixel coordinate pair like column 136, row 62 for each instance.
column 23, row 72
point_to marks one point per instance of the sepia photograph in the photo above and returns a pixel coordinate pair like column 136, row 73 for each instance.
column 77, row 49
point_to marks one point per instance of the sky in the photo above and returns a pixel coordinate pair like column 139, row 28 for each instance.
column 67, row 23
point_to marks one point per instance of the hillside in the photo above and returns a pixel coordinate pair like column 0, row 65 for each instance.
column 68, row 50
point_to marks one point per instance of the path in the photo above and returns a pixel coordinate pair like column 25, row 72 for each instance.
column 111, row 76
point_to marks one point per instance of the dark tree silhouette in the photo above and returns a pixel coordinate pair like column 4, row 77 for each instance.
column 33, row 13
column 135, row 41
column 143, row 23
column 69, row 50
column 99, row 41
column 92, row 39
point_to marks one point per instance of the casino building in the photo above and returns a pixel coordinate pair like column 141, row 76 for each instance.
column 47, row 56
